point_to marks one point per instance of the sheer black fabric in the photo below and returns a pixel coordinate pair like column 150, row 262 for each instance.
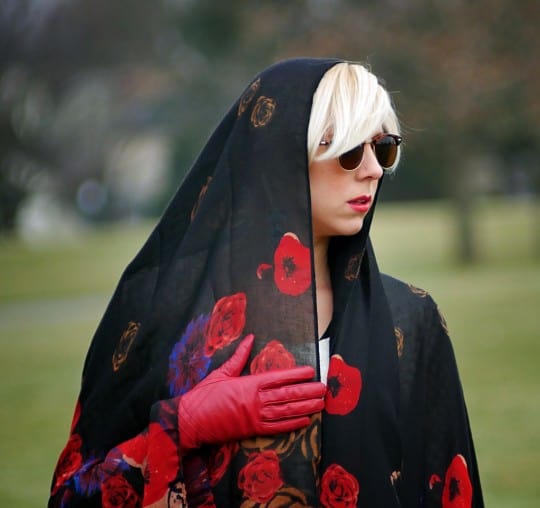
column 232, row 256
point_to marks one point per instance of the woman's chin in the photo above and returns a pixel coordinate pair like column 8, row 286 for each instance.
column 348, row 228
column 352, row 229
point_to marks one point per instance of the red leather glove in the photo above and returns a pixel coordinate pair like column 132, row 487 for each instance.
column 225, row 407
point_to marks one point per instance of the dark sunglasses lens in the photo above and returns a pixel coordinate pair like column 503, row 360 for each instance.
column 386, row 150
column 351, row 159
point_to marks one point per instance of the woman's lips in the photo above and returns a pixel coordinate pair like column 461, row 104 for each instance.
column 360, row 204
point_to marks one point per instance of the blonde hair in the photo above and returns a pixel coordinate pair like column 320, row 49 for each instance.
column 350, row 106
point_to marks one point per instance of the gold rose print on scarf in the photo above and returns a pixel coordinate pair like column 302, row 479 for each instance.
column 248, row 96
column 264, row 108
column 286, row 496
column 394, row 477
column 202, row 193
column 352, row 272
column 283, row 445
column 310, row 443
column 263, row 111
column 422, row 293
column 306, row 439
column 398, row 332
column 124, row 345
column 443, row 322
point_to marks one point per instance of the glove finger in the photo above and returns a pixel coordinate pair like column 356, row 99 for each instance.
column 289, row 393
column 283, row 426
column 234, row 365
column 291, row 410
column 275, row 378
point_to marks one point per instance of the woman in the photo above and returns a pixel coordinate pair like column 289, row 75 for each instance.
column 201, row 386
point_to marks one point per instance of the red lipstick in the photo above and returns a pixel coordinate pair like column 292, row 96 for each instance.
column 360, row 204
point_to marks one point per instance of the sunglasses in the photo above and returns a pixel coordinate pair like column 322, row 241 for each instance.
column 385, row 146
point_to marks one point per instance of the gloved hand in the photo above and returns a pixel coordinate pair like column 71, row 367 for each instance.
column 225, row 407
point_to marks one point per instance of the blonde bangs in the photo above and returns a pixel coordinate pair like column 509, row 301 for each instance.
column 349, row 107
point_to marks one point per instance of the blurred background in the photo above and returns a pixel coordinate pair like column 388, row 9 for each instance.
column 104, row 105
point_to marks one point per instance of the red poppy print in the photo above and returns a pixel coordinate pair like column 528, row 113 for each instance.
column 273, row 356
column 162, row 464
column 261, row 477
column 219, row 461
column 344, row 385
column 116, row 492
column 433, row 480
column 226, row 322
column 134, row 451
column 457, row 491
column 339, row 488
column 69, row 463
column 292, row 266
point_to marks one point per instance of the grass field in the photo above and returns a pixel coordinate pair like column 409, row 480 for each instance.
column 52, row 296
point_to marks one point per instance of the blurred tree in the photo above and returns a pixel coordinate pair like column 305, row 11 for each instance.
column 467, row 86
column 78, row 76
column 59, row 63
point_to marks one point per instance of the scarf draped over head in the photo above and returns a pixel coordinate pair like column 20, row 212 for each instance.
column 231, row 256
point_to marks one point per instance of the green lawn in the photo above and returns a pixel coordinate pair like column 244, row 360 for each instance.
column 52, row 297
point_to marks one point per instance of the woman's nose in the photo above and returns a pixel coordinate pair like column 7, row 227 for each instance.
column 369, row 167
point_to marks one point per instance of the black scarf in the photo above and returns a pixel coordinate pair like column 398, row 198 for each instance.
column 231, row 256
